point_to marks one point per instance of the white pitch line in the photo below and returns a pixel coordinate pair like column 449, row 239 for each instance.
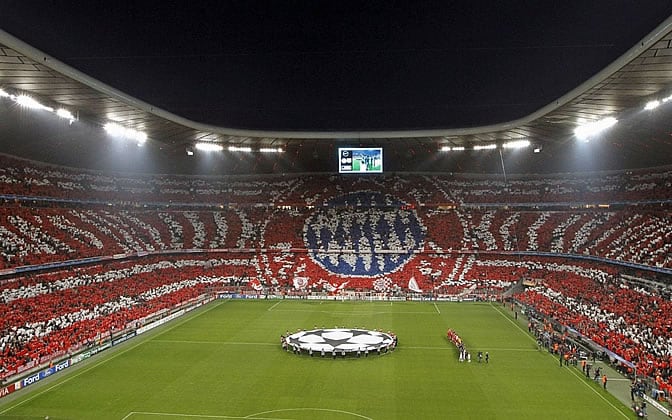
column 514, row 324
column 235, row 343
column 437, row 308
column 451, row 348
column 570, row 370
column 253, row 416
column 597, row 393
column 203, row 416
column 359, row 312
column 276, row 304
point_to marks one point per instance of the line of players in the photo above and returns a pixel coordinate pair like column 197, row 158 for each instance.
column 464, row 354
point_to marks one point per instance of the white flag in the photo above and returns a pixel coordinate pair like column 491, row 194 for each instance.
column 413, row 285
column 300, row 283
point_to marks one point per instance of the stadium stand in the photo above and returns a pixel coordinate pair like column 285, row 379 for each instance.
column 175, row 238
column 629, row 320
column 35, row 235
column 27, row 178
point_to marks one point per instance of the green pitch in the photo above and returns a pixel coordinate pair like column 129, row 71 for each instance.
column 225, row 361
column 357, row 166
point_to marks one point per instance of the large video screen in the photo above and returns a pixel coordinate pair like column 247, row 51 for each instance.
column 360, row 159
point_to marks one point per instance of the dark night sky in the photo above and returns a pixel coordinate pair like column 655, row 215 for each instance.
column 342, row 65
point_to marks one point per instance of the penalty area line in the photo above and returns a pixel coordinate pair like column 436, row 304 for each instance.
column 330, row 410
column 274, row 305
column 255, row 416
column 437, row 308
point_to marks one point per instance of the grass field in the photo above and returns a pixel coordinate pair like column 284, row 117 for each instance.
column 225, row 361
column 359, row 166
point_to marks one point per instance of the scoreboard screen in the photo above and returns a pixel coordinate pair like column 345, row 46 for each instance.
column 360, row 159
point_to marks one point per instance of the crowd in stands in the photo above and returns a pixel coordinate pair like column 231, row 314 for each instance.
column 35, row 235
column 632, row 321
column 634, row 235
column 568, row 188
column 311, row 206
column 27, row 178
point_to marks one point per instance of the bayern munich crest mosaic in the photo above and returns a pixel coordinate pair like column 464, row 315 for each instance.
column 373, row 243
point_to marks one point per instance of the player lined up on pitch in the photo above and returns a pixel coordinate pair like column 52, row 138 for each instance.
column 464, row 354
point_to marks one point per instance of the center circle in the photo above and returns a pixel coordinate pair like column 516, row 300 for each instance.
column 363, row 234
column 347, row 340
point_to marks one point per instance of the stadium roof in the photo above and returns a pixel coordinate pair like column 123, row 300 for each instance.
column 621, row 89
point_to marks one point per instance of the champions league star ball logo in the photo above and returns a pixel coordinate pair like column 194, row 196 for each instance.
column 340, row 340
column 364, row 234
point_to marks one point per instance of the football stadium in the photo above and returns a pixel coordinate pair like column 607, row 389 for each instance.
column 351, row 210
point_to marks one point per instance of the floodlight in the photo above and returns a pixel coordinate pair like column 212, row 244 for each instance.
column 31, row 103
column 140, row 136
column 537, row 149
column 485, row 146
column 651, row 105
column 269, row 150
column 590, row 129
column 239, row 149
column 114, row 129
column 452, row 149
column 4, row 94
column 209, row 147
column 516, row 144
column 64, row 113
column 118, row 130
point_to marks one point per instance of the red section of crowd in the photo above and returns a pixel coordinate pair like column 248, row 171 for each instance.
column 633, row 322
